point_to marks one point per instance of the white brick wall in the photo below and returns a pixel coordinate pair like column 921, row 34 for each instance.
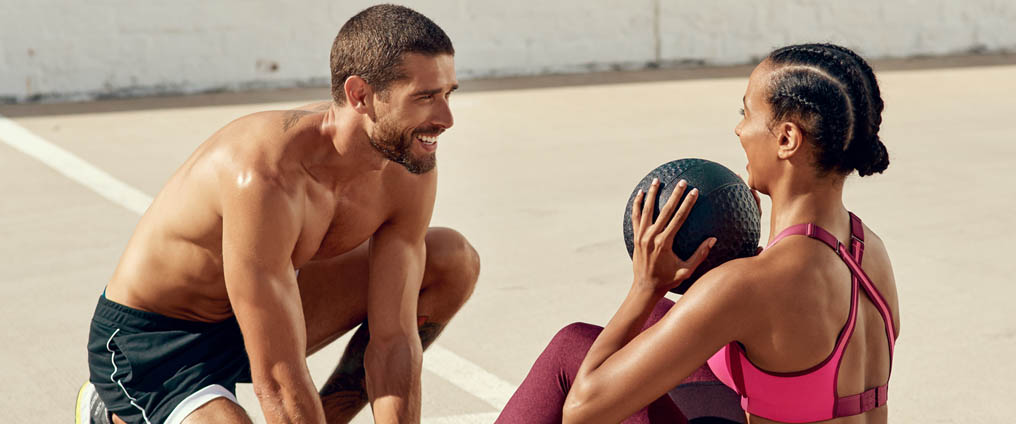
column 65, row 49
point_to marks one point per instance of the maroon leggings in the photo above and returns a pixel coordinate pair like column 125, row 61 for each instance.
column 541, row 396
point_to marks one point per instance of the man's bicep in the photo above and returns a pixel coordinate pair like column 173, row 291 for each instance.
column 260, row 229
column 270, row 316
column 260, row 226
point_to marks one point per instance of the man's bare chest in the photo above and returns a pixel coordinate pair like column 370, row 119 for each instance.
column 337, row 229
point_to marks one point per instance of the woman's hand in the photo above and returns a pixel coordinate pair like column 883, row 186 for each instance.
column 656, row 266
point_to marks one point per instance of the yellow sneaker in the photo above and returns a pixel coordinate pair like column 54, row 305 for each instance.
column 89, row 409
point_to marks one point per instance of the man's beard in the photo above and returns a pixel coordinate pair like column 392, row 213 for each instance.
column 387, row 139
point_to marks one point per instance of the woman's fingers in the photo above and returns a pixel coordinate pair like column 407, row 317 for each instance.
column 636, row 212
column 681, row 215
column 672, row 202
column 649, row 204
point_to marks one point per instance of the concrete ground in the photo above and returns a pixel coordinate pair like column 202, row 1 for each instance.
column 536, row 173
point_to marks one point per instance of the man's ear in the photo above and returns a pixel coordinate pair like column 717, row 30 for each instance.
column 358, row 93
column 789, row 138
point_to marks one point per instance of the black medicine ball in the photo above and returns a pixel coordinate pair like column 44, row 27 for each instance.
column 725, row 209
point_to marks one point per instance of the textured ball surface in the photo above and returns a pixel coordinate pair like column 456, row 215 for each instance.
column 725, row 209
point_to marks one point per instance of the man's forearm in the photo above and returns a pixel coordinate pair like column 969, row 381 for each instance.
column 393, row 379
column 289, row 403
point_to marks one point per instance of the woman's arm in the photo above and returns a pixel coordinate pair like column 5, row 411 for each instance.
column 624, row 370
column 712, row 313
column 656, row 269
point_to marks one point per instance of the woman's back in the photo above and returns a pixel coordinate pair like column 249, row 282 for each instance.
column 803, row 309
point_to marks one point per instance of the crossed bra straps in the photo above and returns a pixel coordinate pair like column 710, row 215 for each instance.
column 810, row 395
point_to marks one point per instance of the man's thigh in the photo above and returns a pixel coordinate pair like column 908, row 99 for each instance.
column 334, row 291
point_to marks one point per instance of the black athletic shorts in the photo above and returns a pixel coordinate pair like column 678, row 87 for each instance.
column 150, row 368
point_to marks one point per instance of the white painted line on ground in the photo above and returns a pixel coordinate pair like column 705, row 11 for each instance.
column 454, row 368
column 482, row 418
column 468, row 376
column 73, row 167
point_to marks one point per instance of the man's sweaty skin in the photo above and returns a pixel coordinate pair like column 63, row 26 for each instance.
column 274, row 191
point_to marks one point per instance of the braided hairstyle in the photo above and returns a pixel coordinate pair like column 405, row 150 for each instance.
column 832, row 94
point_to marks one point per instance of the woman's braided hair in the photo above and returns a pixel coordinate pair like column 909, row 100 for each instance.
column 832, row 94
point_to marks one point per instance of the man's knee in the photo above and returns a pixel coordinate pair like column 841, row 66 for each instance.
column 218, row 410
column 453, row 266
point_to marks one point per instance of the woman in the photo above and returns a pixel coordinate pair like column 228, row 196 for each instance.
column 788, row 329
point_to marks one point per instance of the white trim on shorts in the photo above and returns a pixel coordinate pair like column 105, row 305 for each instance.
column 112, row 358
column 197, row 400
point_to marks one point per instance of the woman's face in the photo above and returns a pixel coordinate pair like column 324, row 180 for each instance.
column 757, row 139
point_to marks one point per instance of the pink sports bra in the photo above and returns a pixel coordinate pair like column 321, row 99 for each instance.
column 809, row 395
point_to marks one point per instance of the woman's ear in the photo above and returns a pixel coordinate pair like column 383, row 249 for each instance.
column 789, row 138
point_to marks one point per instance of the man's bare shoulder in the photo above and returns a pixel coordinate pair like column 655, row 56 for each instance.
column 269, row 124
column 268, row 134
column 257, row 151
column 411, row 190
column 284, row 120
column 319, row 106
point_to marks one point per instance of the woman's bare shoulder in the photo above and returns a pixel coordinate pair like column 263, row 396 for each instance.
column 878, row 266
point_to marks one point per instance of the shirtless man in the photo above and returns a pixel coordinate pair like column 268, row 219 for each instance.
column 283, row 231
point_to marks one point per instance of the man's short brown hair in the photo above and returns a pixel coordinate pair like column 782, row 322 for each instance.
column 372, row 43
